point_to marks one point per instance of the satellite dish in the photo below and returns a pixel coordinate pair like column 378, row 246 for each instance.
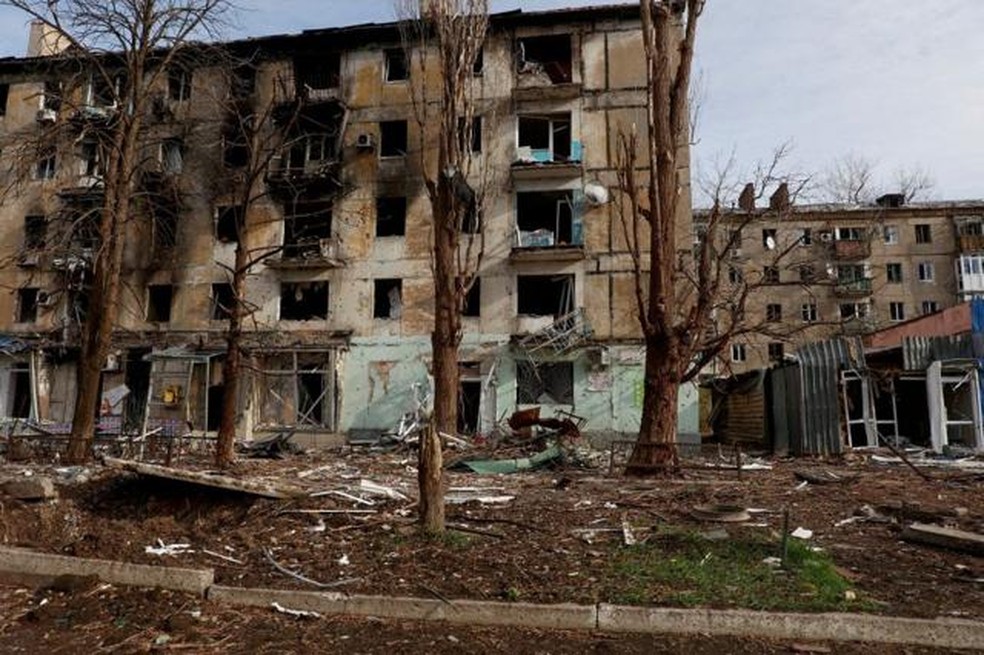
column 770, row 242
column 596, row 193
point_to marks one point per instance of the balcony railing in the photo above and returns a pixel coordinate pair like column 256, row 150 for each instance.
column 853, row 288
column 971, row 243
column 847, row 250
column 565, row 334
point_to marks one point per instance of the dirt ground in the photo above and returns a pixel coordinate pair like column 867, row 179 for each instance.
column 545, row 536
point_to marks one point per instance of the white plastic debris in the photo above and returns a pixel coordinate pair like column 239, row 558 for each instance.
column 611, row 505
column 320, row 527
column 772, row 561
column 376, row 489
column 343, row 560
column 168, row 549
column 302, row 614
column 801, row 533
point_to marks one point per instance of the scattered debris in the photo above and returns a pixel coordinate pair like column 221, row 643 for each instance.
column 302, row 578
column 252, row 487
column 375, row 489
column 343, row 560
column 31, row 488
column 934, row 535
column 274, row 447
column 720, row 513
column 801, row 533
column 824, row 476
column 494, row 466
column 460, row 499
column 627, row 536
column 301, row 614
column 223, row 557
column 168, row 549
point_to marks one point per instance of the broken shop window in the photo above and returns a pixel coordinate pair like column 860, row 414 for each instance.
column 159, row 297
column 387, row 298
column 307, row 230
column 548, row 219
column 545, row 59
column 546, row 139
column 303, row 301
column 391, row 216
column 298, row 389
column 545, row 295
column 549, row 383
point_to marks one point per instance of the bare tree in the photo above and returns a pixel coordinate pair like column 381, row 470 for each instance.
column 124, row 51
column 447, row 35
column 853, row 179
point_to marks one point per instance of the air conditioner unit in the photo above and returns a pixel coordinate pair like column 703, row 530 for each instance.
column 364, row 142
column 47, row 116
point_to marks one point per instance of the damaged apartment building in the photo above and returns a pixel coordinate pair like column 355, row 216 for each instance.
column 341, row 303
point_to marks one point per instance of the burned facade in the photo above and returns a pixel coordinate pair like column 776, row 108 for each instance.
column 340, row 294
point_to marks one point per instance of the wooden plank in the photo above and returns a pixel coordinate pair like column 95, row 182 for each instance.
column 252, row 487
column 934, row 535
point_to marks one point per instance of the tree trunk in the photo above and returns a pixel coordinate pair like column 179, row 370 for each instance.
column 430, row 480
column 446, row 334
column 226, row 440
column 655, row 447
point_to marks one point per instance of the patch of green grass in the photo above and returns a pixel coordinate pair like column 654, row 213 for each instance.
column 685, row 569
column 453, row 539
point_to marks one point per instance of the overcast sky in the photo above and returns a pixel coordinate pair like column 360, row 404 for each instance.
column 900, row 82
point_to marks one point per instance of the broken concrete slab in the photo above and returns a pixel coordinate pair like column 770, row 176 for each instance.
column 252, row 487
column 33, row 488
column 935, row 535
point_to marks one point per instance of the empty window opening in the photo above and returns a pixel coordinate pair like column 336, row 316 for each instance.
column 473, row 300
column 90, row 159
column 397, row 65
column 165, row 226
column 806, row 237
column 546, row 384
column 469, row 403
column 770, row 275
column 235, row 147
column 4, row 93
column 387, row 298
column 392, row 138
column 103, row 91
column 178, row 84
column 19, row 400
column 242, row 82
column 35, row 231
column 228, row 223
column 159, row 297
column 545, row 295
column 172, row 155
column 223, row 301
column 313, row 73
column 777, row 350
column 544, row 139
column 478, row 66
column 309, row 152
column 45, row 167
column 470, row 138
column 769, row 238
column 307, row 230
column 548, row 57
column 924, row 234
column 28, row 301
column 85, row 227
column 854, row 310
column 894, row 272
column 547, row 219
column 52, row 98
column 391, row 216
column 297, row 389
column 303, row 301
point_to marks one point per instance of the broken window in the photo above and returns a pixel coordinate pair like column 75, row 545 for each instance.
column 172, row 155
column 19, row 399
column 35, row 231
column 103, row 91
column 242, row 82
column 228, row 223
column 297, row 389
column 470, row 140
column 223, row 300
column 4, row 92
column 391, row 216
column 309, row 151
column 397, row 65
column 478, row 66
column 544, row 139
column 178, row 84
column 27, row 305
column 806, row 237
column 90, row 158
column 854, row 310
column 545, row 295
column 387, row 298
column 44, row 169
column 923, row 233
column 547, row 219
column 165, row 225
column 473, row 306
column 769, row 238
column 392, row 138
column 773, row 313
column 544, row 384
column 930, row 307
column 159, row 297
column 313, row 73
column 546, row 58
column 84, row 221
column 235, row 147
column 303, row 301
column 52, row 98
column 807, row 273
column 890, row 234
column 777, row 351
column 307, row 230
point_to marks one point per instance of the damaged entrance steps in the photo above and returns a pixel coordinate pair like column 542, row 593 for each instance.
column 20, row 566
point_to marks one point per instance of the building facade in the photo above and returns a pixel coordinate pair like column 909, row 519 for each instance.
column 338, row 336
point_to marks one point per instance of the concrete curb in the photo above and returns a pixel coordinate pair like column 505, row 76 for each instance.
column 19, row 565
column 472, row 612
column 942, row 632
column 24, row 566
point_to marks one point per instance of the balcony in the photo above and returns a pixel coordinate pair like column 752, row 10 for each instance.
column 847, row 250
column 311, row 178
column 857, row 326
column 310, row 254
column 541, row 245
column 971, row 243
column 852, row 288
column 561, row 336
